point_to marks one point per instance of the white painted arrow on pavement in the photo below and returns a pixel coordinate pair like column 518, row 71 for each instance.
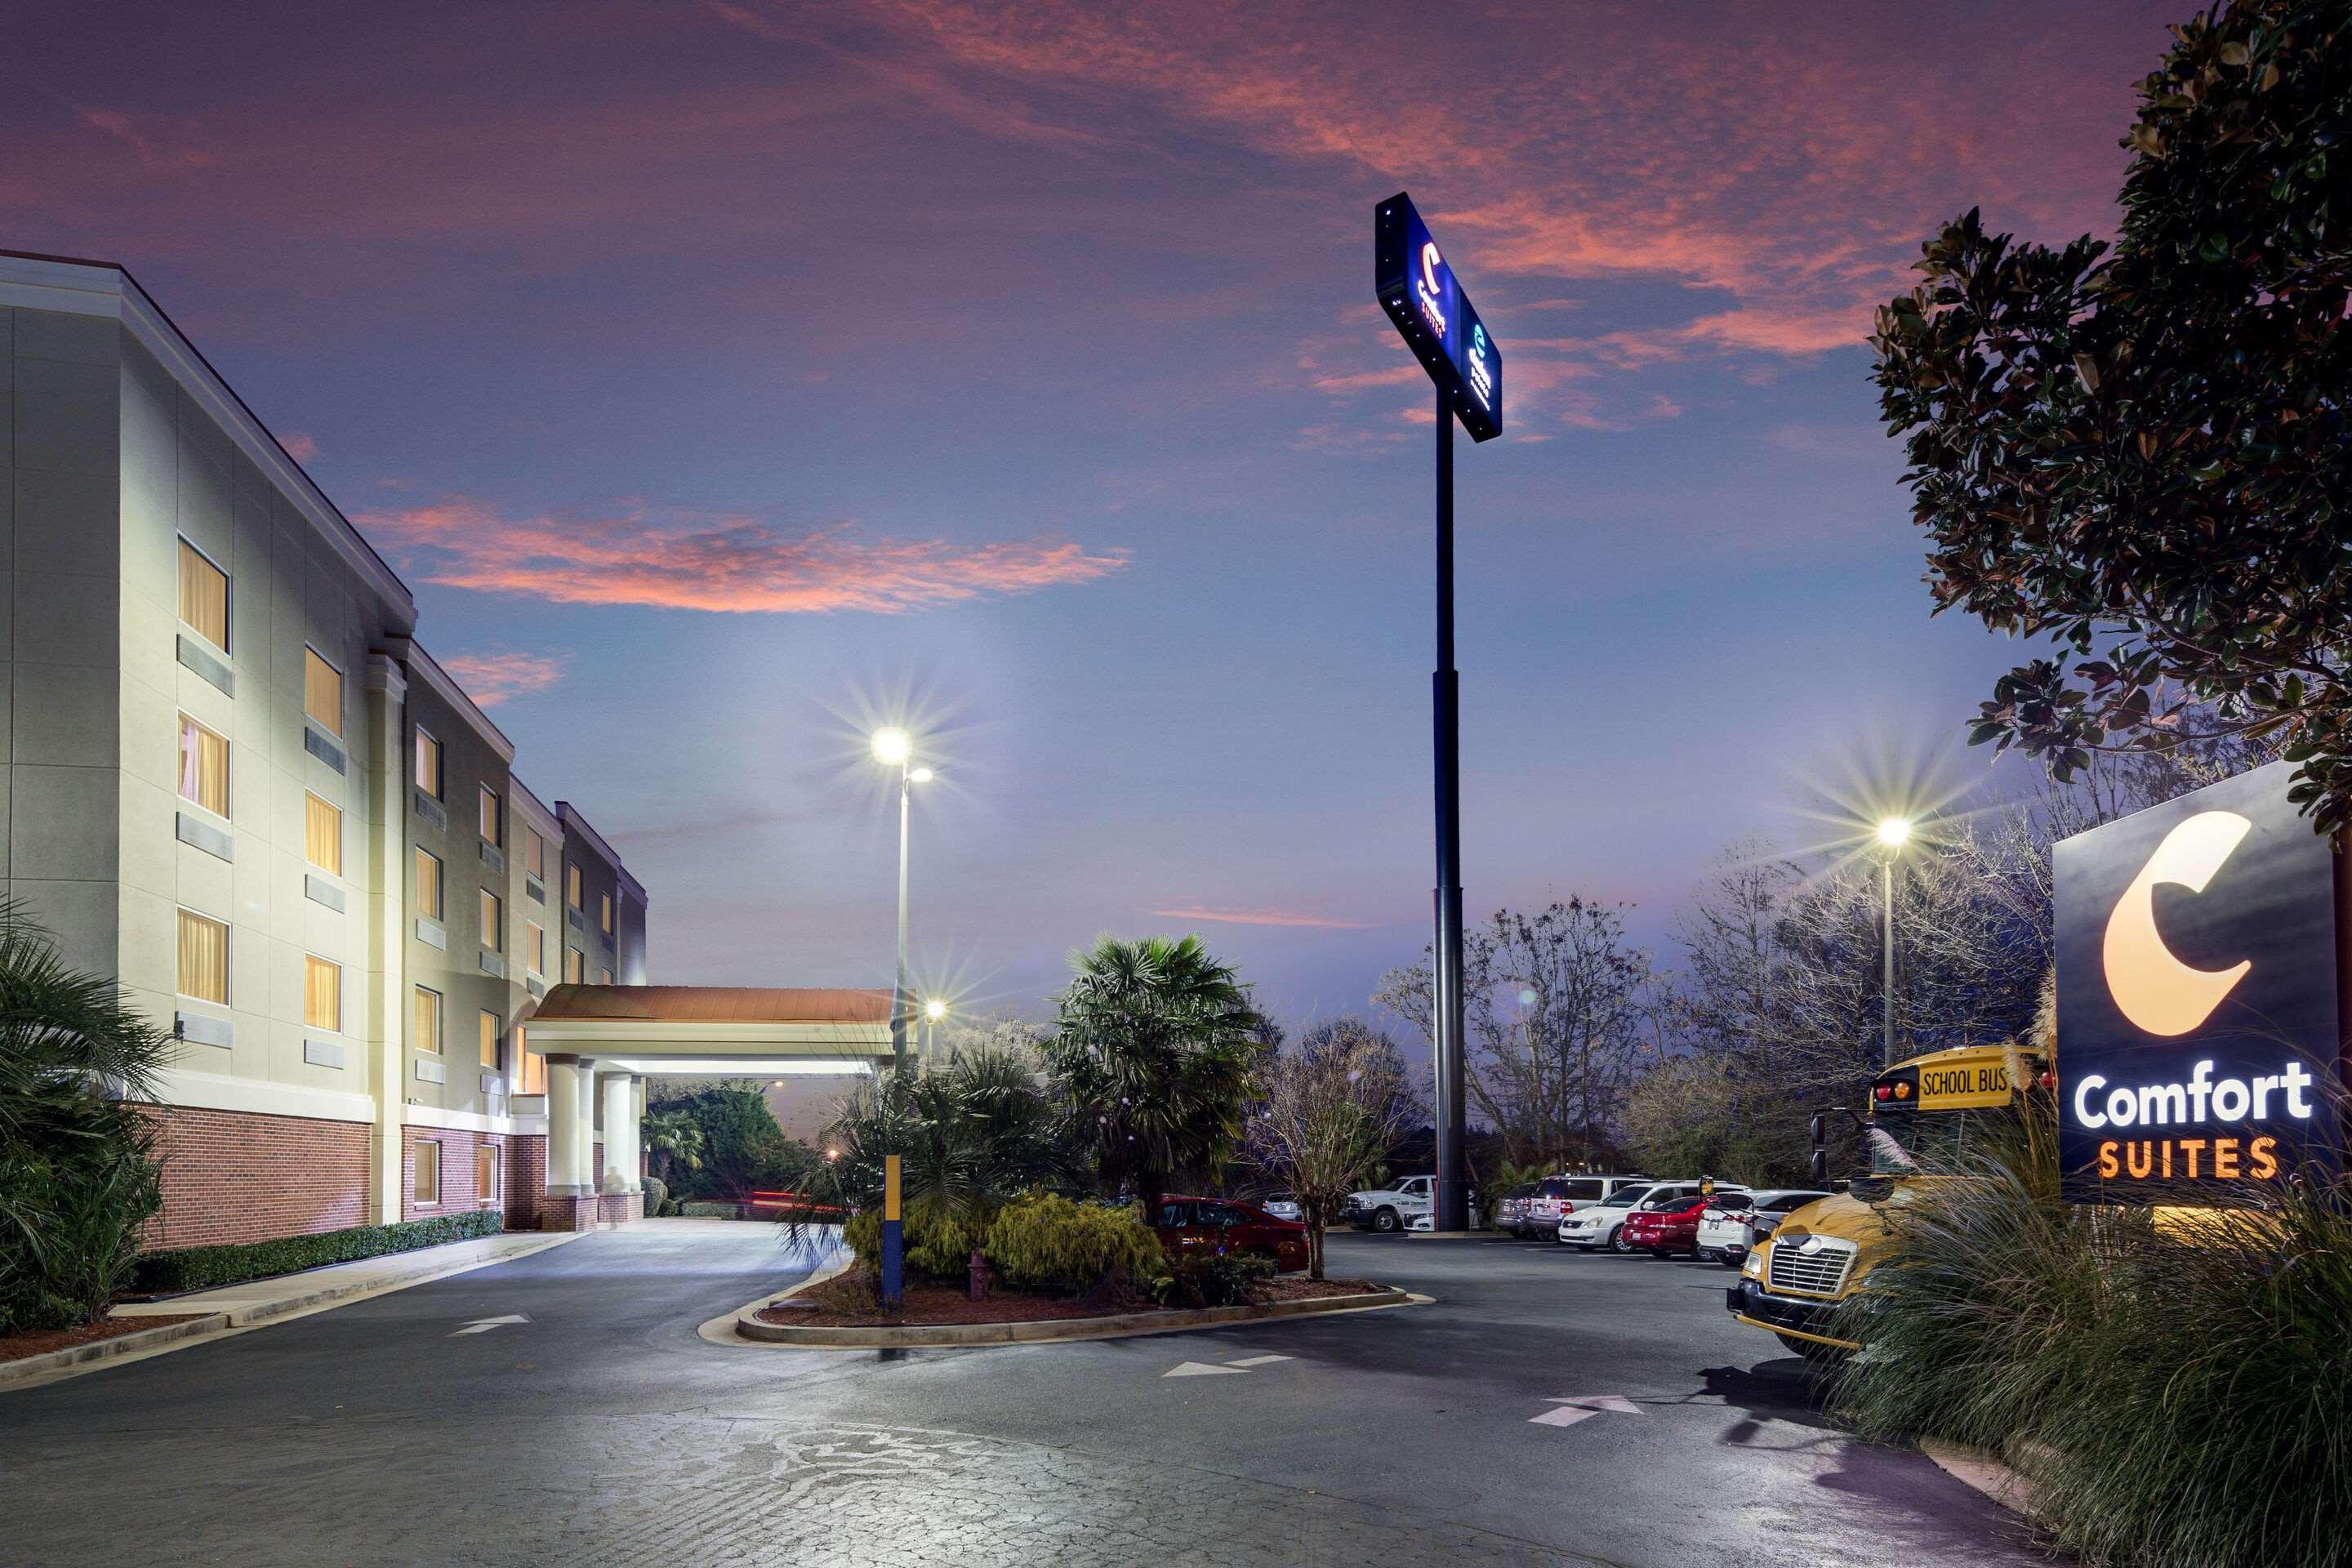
column 484, row 1325
column 1573, row 1408
column 1198, row 1369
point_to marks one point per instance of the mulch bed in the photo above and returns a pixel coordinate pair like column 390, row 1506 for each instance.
column 40, row 1342
column 843, row 1303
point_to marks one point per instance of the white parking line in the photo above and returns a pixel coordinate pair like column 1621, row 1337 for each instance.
column 1257, row 1360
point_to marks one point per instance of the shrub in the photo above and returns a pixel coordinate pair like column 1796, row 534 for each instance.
column 204, row 1267
column 939, row 1248
column 1044, row 1241
column 699, row 1210
column 1213, row 1279
column 657, row 1194
column 2172, row 1387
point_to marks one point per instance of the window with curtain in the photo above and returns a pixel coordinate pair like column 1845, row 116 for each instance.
column 606, row 912
column 534, row 946
column 572, row 965
column 322, row 835
column 534, row 1069
column 428, row 884
column 426, row 1185
column 204, row 766
column 489, row 813
column 491, row 1033
column 323, row 994
column 571, row 887
column 493, row 920
column 204, row 596
column 604, row 978
column 485, row 1175
column 428, row 763
column 323, row 692
column 534, row 855
column 203, row 958
column 426, row 1032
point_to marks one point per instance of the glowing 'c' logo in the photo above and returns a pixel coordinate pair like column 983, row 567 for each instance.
column 1430, row 262
column 2151, row 987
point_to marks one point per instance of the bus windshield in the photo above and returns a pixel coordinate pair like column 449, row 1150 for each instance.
column 1902, row 1140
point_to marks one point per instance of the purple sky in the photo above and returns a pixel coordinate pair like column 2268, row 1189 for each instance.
column 724, row 379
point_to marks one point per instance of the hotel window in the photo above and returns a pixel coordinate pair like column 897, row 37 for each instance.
column 425, row 1186
column 428, row 763
column 322, row 994
column 604, row 978
column 572, row 966
column 606, row 912
column 489, row 811
column 204, row 596
column 203, row 958
column 534, row 946
column 534, row 855
column 534, row 1069
column 491, row 1033
column 322, row 693
column 493, row 920
column 428, row 884
column 427, row 1034
column 572, row 886
column 322, row 835
column 485, row 1175
column 204, row 766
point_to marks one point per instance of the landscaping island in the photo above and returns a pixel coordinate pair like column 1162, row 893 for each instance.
column 845, row 1301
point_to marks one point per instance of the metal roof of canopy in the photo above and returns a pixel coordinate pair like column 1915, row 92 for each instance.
column 733, row 1030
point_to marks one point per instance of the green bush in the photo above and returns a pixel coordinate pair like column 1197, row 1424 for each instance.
column 204, row 1267
column 1046, row 1242
column 1214, row 1280
column 697, row 1210
column 657, row 1194
column 2173, row 1388
column 936, row 1248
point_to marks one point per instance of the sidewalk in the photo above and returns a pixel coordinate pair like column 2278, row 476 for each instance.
column 233, row 1308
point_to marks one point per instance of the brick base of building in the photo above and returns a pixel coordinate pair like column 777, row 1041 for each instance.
column 590, row 1211
column 620, row 1208
column 237, row 1176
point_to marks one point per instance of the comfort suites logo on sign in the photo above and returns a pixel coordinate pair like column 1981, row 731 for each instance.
column 2197, row 1013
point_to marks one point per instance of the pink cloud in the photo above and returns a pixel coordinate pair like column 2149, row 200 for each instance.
column 733, row 565
column 492, row 677
column 299, row 446
column 1263, row 918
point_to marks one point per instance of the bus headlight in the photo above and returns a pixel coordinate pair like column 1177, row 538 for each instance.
column 1752, row 1266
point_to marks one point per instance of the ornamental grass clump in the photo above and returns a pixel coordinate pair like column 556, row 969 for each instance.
column 1044, row 1242
column 2176, row 1386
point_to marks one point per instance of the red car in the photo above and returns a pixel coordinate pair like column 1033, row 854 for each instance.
column 1670, row 1230
column 1221, row 1224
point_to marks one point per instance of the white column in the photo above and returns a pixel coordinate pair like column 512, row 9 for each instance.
column 620, row 1173
column 567, row 1134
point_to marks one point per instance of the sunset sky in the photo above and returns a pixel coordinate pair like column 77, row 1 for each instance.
column 727, row 378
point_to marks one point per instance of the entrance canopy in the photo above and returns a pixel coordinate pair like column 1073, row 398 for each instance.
column 730, row 1030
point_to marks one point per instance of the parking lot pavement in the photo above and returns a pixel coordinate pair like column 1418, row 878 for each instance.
column 1549, row 1407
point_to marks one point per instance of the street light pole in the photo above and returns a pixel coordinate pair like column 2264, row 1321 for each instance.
column 1894, row 833
column 898, row 987
column 1452, row 1199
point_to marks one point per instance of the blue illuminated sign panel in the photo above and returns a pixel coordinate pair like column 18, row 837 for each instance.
column 1420, row 294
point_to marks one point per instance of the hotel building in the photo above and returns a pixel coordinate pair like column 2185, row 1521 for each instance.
column 236, row 784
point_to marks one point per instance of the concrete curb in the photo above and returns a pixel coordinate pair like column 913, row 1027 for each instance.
column 1985, row 1472
column 949, row 1336
column 76, row 1359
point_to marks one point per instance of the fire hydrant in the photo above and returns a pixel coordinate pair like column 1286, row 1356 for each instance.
column 983, row 1276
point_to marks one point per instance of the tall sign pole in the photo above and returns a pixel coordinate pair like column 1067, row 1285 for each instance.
column 1423, row 297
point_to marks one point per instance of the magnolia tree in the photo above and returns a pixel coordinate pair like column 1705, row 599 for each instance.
column 1332, row 1106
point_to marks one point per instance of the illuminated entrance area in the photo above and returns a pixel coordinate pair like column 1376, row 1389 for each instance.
column 600, row 1043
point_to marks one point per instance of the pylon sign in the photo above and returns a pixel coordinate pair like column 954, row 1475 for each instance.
column 1419, row 290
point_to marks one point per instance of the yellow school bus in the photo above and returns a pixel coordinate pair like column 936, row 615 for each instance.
column 1791, row 1283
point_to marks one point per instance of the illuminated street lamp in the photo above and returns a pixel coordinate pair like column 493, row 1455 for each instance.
column 1893, row 834
column 933, row 1011
column 893, row 747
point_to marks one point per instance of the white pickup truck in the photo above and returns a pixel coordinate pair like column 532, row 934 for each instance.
column 1393, row 1207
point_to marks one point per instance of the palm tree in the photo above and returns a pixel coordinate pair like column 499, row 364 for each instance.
column 76, row 1173
column 674, row 1138
column 1151, row 1056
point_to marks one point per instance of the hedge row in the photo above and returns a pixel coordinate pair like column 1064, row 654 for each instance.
column 202, row 1268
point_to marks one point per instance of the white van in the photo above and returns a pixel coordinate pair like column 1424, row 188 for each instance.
column 1556, row 1197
